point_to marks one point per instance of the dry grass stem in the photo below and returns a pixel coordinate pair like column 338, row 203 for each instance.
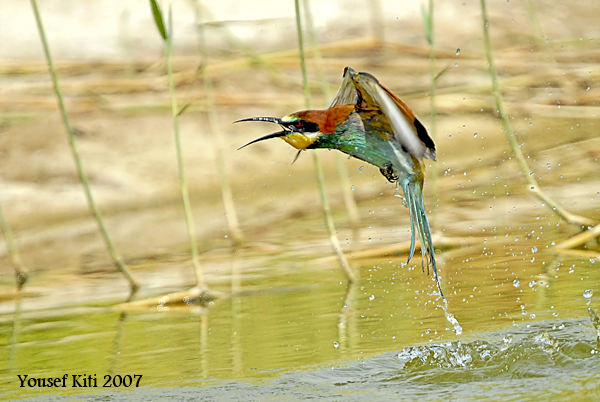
column 342, row 169
column 13, row 252
column 233, row 225
column 525, row 170
column 580, row 239
column 335, row 244
column 116, row 258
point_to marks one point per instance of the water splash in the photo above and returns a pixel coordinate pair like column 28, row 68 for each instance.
column 513, row 353
column 587, row 295
column 450, row 318
column 596, row 323
column 550, row 360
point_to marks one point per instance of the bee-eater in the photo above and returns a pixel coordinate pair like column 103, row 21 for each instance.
column 367, row 121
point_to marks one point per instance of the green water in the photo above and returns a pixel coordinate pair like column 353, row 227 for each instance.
column 295, row 329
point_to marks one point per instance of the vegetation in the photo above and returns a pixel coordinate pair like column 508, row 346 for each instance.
column 116, row 258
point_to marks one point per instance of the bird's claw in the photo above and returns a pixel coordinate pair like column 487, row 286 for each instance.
column 388, row 172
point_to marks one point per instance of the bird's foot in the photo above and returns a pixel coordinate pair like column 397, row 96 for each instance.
column 388, row 172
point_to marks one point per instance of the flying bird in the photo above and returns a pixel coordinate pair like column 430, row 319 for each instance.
column 367, row 121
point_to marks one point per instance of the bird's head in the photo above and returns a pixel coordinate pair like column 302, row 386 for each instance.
column 302, row 129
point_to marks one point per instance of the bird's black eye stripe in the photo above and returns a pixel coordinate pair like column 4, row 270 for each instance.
column 303, row 126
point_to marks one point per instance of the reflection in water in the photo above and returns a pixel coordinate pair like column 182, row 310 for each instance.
column 345, row 328
column 287, row 315
column 116, row 350
column 544, row 360
column 236, row 312
column 14, row 334
column 203, row 345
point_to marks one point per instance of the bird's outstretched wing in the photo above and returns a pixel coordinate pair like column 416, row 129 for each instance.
column 346, row 95
column 365, row 91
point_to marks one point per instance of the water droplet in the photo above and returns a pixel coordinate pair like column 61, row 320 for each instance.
column 532, row 316
column 372, row 297
column 336, row 344
column 587, row 89
column 458, row 51
column 588, row 293
column 532, row 284
column 516, row 283
column 534, row 249
column 475, row 135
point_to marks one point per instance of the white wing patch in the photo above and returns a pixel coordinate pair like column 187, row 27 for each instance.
column 404, row 130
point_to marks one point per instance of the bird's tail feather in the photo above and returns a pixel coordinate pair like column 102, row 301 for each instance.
column 413, row 192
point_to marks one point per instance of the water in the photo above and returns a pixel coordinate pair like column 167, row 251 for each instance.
column 294, row 328
column 460, row 370
column 544, row 360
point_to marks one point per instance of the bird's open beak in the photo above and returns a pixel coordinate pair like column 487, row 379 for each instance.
column 275, row 120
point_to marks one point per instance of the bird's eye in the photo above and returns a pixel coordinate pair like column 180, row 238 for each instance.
column 297, row 126
column 302, row 126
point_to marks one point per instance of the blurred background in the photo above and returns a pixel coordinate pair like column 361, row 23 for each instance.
column 500, row 266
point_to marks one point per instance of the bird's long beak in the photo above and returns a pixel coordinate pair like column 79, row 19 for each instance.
column 266, row 137
column 275, row 120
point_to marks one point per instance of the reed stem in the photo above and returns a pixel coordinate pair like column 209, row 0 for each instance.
column 13, row 252
column 116, row 258
column 428, row 22
column 235, row 231
column 525, row 170
column 183, row 186
column 376, row 19
column 335, row 244
column 539, row 37
column 342, row 169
